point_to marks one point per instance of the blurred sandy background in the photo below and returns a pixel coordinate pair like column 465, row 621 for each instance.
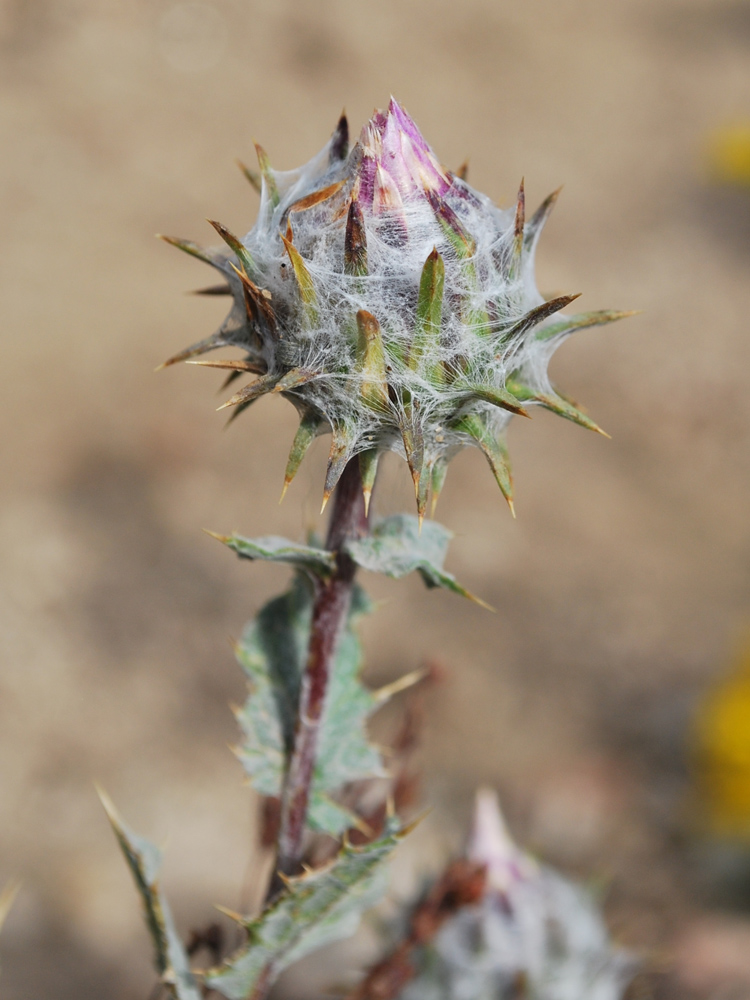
column 623, row 585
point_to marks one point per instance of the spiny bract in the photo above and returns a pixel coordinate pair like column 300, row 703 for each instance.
column 392, row 304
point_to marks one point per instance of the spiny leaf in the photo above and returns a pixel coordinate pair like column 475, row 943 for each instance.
column 339, row 147
column 202, row 347
column 237, row 365
column 537, row 314
column 212, row 290
column 538, row 220
column 268, row 176
column 568, row 410
column 257, row 300
column 342, row 444
column 453, row 229
column 253, row 391
column 144, row 861
column 273, row 653
column 239, row 410
column 429, row 318
column 582, row 321
column 413, row 441
column 295, row 378
column 355, row 242
column 207, row 256
column 497, row 396
column 476, row 427
column 396, row 547
column 319, row 907
column 231, row 377
column 368, row 469
column 304, row 280
column 514, row 264
column 236, row 246
column 306, row 434
column 371, row 361
column 272, row 548
column 251, row 176
column 557, row 404
column 315, row 198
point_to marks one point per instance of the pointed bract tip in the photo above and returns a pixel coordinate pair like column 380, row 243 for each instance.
column 109, row 807
column 406, row 830
column 366, row 496
column 250, row 175
column 225, row 539
column 326, row 498
column 284, row 488
column 232, row 914
column 482, row 604
column 401, row 684
column 511, row 506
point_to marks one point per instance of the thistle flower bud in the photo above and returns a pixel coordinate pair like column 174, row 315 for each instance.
column 392, row 304
column 533, row 933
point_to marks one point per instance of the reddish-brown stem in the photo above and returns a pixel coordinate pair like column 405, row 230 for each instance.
column 330, row 610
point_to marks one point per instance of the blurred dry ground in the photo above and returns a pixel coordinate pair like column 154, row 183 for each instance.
column 620, row 589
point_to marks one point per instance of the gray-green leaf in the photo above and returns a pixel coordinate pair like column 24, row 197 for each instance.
column 315, row 909
column 272, row 548
column 273, row 652
column 144, row 861
column 396, row 547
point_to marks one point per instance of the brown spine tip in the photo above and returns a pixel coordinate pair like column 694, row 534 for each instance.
column 339, row 148
column 355, row 242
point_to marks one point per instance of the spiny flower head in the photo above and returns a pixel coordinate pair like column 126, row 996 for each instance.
column 392, row 304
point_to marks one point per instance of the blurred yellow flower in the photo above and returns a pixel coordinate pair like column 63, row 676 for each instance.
column 729, row 154
column 722, row 747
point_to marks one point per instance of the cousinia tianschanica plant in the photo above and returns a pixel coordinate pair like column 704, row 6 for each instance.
column 396, row 308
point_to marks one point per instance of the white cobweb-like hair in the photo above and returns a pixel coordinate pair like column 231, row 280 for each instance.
column 393, row 305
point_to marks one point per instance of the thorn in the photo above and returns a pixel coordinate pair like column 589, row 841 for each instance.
column 326, row 497
column 406, row 830
column 109, row 807
column 250, row 176
column 284, row 489
column 211, row 290
column 238, row 366
column 340, row 140
column 463, row 171
column 401, row 684
column 225, row 539
column 232, row 914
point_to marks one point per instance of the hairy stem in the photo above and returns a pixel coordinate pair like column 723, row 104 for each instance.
column 330, row 610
